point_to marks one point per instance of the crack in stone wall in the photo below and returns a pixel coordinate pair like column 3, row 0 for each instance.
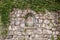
column 43, row 29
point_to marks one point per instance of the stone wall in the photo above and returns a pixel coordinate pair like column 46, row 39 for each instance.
column 30, row 25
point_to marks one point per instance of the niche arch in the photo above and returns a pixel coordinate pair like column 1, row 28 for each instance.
column 30, row 19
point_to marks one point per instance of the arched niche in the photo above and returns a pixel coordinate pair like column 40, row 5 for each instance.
column 30, row 20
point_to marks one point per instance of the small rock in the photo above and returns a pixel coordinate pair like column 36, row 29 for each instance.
column 49, row 31
column 46, row 21
column 22, row 25
column 9, row 36
column 10, row 28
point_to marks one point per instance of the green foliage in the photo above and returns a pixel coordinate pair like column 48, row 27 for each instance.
column 38, row 5
column 58, row 37
column 5, row 7
column 4, row 33
column 52, row 37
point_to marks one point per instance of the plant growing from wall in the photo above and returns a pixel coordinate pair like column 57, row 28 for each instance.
column 5, row 8
column 52, row 37
column 58, row 37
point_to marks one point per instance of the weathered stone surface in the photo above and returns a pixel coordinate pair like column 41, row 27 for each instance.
column 42, row 29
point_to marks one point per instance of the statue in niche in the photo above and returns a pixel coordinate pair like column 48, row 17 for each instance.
column 30, row 20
